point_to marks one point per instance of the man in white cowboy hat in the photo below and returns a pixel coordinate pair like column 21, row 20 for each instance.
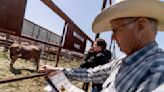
column 134, row 24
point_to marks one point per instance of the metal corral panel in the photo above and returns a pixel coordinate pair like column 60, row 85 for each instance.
column 33, row 30
column 75, row 40
column 11, row 16
column 55, row 39
column 27, row 28
column 43, row 34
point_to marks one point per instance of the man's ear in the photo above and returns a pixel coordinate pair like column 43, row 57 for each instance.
column 142, row 24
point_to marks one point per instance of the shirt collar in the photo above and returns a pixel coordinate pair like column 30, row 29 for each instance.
column 141, row 53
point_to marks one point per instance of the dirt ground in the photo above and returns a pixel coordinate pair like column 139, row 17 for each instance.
column 23, row 68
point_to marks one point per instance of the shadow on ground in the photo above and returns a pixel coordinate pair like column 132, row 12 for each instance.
column 19, row 71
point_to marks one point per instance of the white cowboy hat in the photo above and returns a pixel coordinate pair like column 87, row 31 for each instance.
column 129, row 8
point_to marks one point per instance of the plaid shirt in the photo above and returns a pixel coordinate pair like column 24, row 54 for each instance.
column 142, row 71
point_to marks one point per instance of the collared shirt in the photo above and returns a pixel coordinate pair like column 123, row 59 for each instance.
column 143, row 71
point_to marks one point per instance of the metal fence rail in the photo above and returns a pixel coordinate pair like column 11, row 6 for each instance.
column 21, row 78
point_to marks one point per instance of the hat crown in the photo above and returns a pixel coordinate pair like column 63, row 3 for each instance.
column 142, row 1
column 129, row 8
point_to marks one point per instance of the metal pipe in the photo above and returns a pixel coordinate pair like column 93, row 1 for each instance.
column 29, row 38
column 57, row 10
column 61, row 41
column 103, row 6
column 21, row 78
column 110, row 2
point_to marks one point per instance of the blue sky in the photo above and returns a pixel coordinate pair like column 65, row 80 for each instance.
column 82, row 12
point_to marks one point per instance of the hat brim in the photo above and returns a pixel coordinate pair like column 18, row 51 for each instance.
column 130, row 8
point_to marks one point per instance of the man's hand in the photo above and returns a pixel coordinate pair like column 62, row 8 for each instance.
column 49, row 69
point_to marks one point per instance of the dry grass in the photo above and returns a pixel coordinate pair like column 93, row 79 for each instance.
column 23, row 68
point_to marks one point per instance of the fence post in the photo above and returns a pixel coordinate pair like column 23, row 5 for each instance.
column 61, row 41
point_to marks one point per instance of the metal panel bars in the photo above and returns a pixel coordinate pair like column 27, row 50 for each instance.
column 52, row 6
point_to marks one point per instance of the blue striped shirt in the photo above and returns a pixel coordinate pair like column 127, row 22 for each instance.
column 143, row 71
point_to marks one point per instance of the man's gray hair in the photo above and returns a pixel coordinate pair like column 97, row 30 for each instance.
column 154, row 24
